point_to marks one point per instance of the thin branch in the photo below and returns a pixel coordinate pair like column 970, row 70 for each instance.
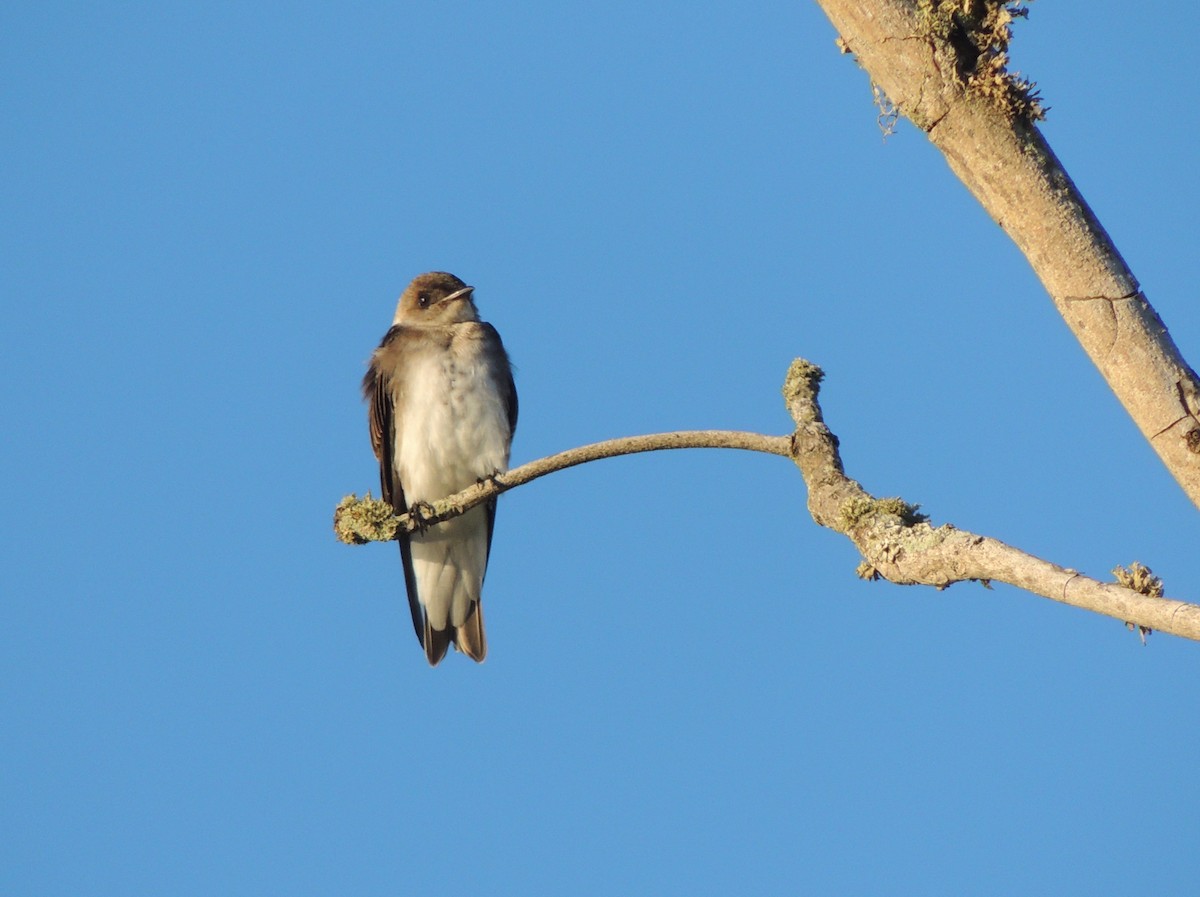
column 366, row 520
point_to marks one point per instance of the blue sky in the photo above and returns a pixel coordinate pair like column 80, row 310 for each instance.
column 209, row 212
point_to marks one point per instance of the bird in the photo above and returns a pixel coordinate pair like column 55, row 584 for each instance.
column 442, row 408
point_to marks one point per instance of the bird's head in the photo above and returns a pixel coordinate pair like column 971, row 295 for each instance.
column 436, row 298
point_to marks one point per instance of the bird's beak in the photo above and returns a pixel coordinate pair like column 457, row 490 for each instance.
column 458, row 294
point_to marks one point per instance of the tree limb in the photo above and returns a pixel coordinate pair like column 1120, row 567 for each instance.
column 896, row 542
column 941, row 64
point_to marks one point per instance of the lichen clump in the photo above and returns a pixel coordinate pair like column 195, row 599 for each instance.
column 357, row 521
column 856, row 510
column 1139, row 578
column 977, row 34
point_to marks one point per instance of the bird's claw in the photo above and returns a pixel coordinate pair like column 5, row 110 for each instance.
column 422, row 514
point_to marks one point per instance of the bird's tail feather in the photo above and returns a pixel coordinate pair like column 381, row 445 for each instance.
column 436, row 642
column 470, row 637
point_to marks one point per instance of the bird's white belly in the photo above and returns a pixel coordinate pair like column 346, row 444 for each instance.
column 454, row 428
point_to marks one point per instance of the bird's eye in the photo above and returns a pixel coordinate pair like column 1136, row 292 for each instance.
column 423, row 300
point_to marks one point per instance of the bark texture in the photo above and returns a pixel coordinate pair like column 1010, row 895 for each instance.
column 941, row 65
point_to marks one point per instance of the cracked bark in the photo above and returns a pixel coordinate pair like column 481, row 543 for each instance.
column 1005, row 162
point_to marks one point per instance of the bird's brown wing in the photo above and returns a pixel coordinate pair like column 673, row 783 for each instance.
column 378, row 390
column 500, row 361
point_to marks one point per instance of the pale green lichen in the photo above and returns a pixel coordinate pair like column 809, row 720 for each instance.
column 857, row 510
column 1140, row 578
column 802, row 377
column 853, row 511
column 357, row 521
column 866, row 570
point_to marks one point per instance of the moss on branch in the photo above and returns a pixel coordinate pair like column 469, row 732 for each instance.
column 977, row 34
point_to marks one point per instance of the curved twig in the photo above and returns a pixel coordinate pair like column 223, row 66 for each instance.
column 366, row 520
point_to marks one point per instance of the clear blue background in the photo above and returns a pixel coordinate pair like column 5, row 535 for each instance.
column 209, row 211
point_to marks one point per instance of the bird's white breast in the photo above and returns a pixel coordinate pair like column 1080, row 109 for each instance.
column 454, row 426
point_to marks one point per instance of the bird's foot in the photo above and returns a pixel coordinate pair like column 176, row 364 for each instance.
column 422, row 514
column 490, row 478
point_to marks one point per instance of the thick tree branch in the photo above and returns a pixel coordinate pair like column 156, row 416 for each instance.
column 898, row 545
column 895, row 541
column 941, row 64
